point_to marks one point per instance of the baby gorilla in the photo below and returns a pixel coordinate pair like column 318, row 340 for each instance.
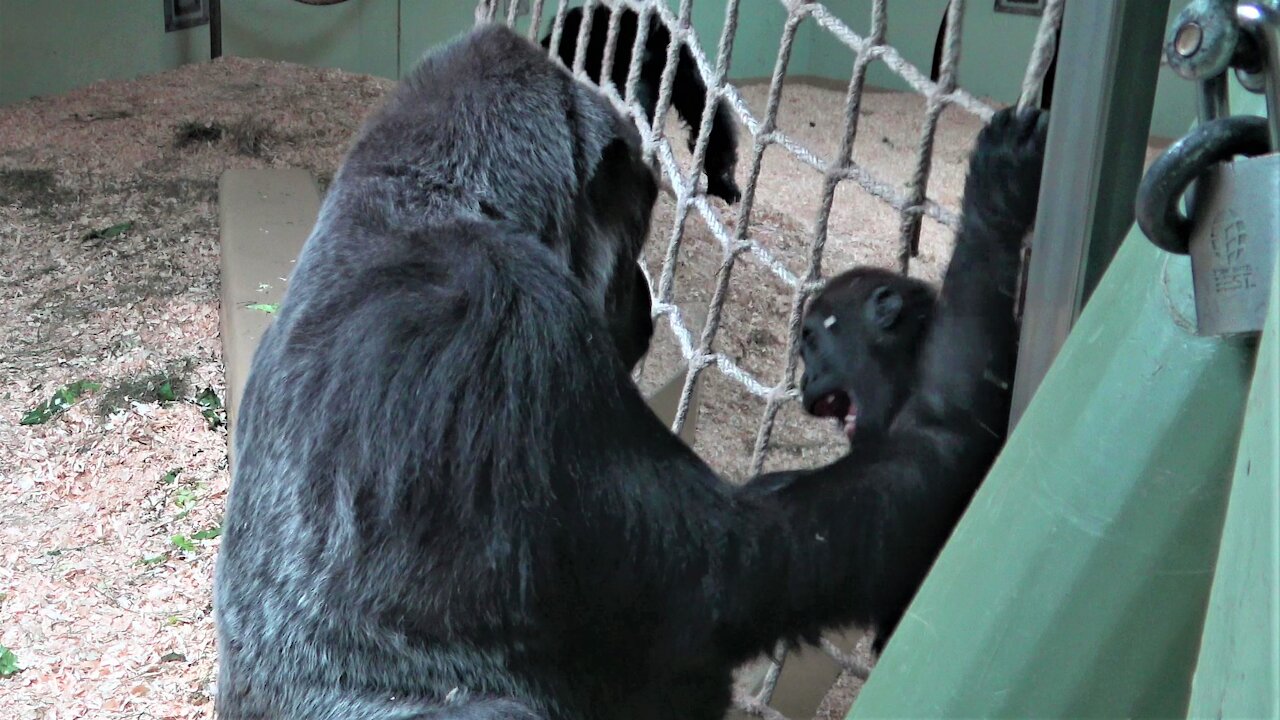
column 871, row 339
column 861, row 344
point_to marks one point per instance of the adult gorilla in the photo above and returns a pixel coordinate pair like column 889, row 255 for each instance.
column 450, row 498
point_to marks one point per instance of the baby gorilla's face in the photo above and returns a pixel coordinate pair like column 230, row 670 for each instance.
column 860, row 345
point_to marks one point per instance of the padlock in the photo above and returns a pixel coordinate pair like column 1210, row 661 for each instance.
column 1233, row 245
column 1235, row 230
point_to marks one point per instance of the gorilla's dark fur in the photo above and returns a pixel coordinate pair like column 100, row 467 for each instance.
column 451, row 501
column 865, row 333
column 688, row 92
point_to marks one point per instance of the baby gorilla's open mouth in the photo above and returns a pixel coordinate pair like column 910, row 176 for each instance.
column 837, row 405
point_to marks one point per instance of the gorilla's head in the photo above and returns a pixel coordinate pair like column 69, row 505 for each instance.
column 861, row 341
column 524, row 143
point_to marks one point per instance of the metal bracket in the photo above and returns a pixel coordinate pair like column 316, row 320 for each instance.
column 1108, row 63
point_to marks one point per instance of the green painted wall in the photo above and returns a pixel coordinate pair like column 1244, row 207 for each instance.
column 426, row 23
column 52, row 46
column 994, row 49
column 755, row 47
column 356, row 36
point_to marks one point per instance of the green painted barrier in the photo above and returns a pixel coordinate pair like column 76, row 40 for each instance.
column 1238, row 675
column 1076, row 584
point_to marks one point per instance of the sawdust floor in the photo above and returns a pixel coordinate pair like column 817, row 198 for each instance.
column 109, row 274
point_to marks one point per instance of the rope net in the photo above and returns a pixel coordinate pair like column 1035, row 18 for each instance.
column 737, row 243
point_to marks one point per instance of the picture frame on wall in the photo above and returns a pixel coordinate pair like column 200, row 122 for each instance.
column 1020, row 7
column 184, row 14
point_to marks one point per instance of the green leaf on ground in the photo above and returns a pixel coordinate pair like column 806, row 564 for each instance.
column 109, row 232
column 208, row 534
column 61, row 401
column 8, row 662
column 212, row 407
column 184, row 498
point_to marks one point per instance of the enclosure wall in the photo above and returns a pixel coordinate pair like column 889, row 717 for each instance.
column 51, row 47
column 989, row 38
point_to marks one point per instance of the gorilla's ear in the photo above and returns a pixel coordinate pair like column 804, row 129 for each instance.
column 622, row 191
column 883, row 307
column 614, row 157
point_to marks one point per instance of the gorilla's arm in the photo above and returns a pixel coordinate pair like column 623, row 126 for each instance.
column 891, row 505
column 689, row 96
column 792, row 553
column 688, row 91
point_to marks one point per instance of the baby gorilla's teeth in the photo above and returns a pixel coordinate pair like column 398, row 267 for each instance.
column 850, row 423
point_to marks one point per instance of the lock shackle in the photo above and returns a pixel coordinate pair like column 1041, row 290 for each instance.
column 1185, row 161
column 1260, row 22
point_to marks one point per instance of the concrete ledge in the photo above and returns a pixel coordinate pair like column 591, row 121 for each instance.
column 666, row 400
column 807, row 676
column 265, row 217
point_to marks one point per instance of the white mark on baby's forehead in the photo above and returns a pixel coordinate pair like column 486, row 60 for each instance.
column 831, row 320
